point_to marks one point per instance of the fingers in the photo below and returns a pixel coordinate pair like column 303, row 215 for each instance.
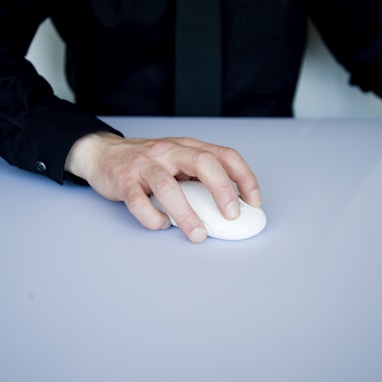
column 181, row 159
column 210, row 171
column 187, row 161
column 129, row 170
column 139, row 205
column 236, row 169
column 241, row 174
column 166, row 189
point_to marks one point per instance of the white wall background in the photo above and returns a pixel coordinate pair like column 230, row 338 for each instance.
column 323, row 89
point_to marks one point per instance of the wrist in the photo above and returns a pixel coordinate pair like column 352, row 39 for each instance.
column 83, row 153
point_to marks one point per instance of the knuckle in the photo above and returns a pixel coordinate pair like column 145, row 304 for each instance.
column 187, row 222
column 153, row 224
column 204, row 158
column 165, row 185
column 230, row 154
column 185, row 219
column 136, row 204
column 188, row 141
column 159, row 146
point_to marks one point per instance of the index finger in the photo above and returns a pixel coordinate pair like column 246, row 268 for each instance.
column 235, row 167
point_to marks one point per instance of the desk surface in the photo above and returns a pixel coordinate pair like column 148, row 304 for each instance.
column 87, row 294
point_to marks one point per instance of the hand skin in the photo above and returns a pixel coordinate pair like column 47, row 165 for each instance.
column 129, row 170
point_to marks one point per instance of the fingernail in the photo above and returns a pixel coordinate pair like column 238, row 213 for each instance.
column 256, row 197
column 198, row 235
column 166, row 225
column 233, row 210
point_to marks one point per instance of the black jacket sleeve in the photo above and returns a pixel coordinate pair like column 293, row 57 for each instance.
column 352, row 30
column 37, row 129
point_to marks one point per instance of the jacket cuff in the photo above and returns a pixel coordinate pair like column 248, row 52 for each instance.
column 51, row 133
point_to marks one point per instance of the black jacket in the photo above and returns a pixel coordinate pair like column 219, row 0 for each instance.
column 120, row 61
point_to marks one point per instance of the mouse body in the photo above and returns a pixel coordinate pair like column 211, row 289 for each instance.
column 250, row 222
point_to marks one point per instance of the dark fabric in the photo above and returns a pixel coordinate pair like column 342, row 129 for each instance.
column 198, row 56
column 120, row 61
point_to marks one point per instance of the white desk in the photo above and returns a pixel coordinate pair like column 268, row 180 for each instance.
column 87, row 294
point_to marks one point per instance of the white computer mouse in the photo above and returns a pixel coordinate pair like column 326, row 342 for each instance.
column 250, row 222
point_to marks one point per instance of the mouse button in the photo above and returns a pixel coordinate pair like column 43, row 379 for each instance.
column 244, row 205
column 232, row 230
column 258, row 222
column 241, row 203
column 208, row 228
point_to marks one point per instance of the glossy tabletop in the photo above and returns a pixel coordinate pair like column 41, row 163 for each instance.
column 87, row 294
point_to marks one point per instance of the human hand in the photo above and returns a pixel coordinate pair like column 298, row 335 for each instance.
column 129, row 170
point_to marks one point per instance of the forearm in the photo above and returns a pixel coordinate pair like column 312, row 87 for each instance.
column 42, row 141
column 37, row 129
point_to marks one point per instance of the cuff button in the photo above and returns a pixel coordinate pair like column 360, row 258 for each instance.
column 40, row 166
